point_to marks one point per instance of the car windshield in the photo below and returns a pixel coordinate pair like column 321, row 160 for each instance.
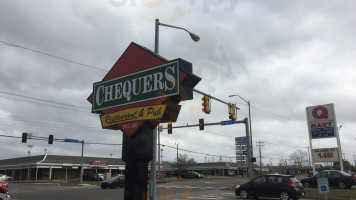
column 293, row 179
column 114, row 178
column 344, row 173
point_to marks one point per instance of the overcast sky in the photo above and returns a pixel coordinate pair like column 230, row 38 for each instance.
column 283, row 56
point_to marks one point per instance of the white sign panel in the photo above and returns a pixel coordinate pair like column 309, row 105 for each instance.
column 321, row 121
column 323, row 185
column 325, row 155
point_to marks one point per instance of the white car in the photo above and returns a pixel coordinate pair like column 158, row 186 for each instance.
column 4, row 177
column 101, row 176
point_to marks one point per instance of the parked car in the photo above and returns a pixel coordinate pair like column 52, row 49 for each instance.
column 336, row 178
column 229, row 173
column 280, row 186
column 4, row 193
column 91, row 177
column 4, row 177
column 192, row 174
column 117, row 181
column 171, row 174
column 101, row 176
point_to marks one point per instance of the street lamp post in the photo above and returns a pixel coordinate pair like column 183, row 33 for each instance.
column 249, row 118
column 195, row 38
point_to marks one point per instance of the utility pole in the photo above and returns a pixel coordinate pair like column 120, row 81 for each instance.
column 29, row 151
column 260, row 144
column 178, row 172
column 160, row 128
column 354, row 159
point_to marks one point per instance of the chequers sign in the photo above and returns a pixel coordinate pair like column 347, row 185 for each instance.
column 142, row 87
column 153, row 83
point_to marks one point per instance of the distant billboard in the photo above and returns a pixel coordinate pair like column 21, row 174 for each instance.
column 321, row 121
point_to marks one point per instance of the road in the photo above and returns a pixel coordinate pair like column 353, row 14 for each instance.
column 196, row 189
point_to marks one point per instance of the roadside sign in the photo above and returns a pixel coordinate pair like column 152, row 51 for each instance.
column 228, row 122
column 325, row 155
column 244, row 152
column 323, row 185
column 71, row 140
column 240, row 140
column 142, row 87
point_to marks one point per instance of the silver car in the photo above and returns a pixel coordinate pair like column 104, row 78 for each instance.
column 4, row 177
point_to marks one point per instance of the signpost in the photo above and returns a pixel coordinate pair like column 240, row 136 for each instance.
column 323, row 186
column 140, row 91
column 322, row 124
column 325, row 155
column 241, row 150
column 71, row 140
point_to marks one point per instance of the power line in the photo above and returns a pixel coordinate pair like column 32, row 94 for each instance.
column 111, row 144
column 44, row 100
column 85, row 65
column 42, row 104
column 50, row 55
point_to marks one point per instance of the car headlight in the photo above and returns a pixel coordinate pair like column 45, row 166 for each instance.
column 237, row 186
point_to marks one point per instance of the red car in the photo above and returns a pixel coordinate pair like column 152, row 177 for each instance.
column 4, row 194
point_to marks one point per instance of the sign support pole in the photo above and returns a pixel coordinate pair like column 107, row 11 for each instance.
column 339, row 146
column 153, row 167
column 249, row 163
column 81, row 163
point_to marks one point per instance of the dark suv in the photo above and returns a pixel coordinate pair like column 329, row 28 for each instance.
column 280, row 186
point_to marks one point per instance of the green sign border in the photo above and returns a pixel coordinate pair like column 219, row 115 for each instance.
column 115, row 103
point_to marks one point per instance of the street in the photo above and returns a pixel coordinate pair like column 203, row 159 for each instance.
column 195, row 189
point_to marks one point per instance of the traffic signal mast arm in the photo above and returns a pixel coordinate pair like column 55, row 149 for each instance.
column 205, row 124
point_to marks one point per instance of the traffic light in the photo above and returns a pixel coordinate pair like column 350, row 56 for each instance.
column 206, row 104
column 24, row 137
column 169, row 128
column 232, row 112
column 201, row 124
column 50, row 139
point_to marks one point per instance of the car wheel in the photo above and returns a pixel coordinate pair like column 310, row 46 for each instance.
column 306, row 185
column 284, row 195
column 104, row 187
column 342, row 185
column 243, row 194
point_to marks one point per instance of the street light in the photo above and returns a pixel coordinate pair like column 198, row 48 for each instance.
column 249, row 118
column 195, row 38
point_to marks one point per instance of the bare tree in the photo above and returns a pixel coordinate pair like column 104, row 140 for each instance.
column 299, row 157
column 184, row 162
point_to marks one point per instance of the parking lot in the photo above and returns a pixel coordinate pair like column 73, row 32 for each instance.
column 196, row 189
column 192, row 189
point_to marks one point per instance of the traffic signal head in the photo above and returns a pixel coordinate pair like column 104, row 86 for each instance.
column 232, row 112
column 169, row 128
column 24, row 137
column 201, row 124
column 50, row 139
column 206, row 104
